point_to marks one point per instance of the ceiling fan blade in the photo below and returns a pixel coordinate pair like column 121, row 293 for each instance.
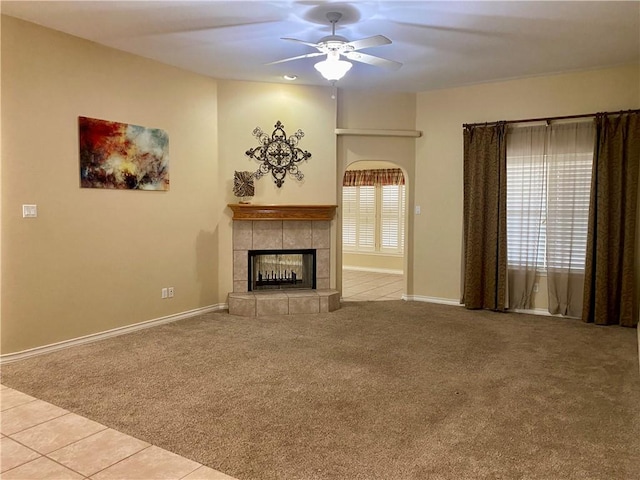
column 373, row 60
column 203, row 27
column 308, row 55
column 443, row 28
column 314, row 45
column 374, row 41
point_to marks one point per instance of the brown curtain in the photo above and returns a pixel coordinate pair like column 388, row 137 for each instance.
column 485, row 217
column 378, row 176
column 609, row 271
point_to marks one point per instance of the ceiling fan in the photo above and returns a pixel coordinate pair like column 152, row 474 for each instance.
column 334, row 46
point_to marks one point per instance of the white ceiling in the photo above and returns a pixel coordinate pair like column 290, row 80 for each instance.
column 441, row 44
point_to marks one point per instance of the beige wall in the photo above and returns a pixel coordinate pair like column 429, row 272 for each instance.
column 366, row 109
column 440, row 115
column 244, row 106
column 97, row 259
column 94, row 259
column 373, row 262
column 370, row 109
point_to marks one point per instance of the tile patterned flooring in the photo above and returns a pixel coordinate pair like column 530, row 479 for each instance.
column 40, row 441
column 360, row 286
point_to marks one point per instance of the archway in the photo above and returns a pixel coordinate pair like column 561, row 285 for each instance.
column 374, row 215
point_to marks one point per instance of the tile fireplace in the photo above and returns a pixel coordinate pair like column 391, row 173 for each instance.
column 281, row 260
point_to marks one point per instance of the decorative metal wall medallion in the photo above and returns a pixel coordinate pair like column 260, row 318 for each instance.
column 278, row 154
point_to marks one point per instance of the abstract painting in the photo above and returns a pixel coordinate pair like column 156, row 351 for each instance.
column 121, row 156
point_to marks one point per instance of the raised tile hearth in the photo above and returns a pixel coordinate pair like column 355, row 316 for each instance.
column 276, row 228
column 283, row 302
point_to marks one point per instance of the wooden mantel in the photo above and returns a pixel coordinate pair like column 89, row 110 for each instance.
column 250, row 211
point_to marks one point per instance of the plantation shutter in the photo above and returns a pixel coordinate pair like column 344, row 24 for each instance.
column 392, row 216
column 526, row 211
column 366, row 218
column 569, row 187
column 570, row 160
column 349, row 216
column 403, row 209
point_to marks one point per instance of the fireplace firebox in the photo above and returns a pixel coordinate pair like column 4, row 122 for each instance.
column 281, row 269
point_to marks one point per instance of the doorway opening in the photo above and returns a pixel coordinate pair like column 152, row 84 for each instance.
column 374, row 203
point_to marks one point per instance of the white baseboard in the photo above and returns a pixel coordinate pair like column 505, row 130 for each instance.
column 533, row 311
column 443, row 301
column 450, row 301
column 540, row 311
column 94, row 337
column 373, row 270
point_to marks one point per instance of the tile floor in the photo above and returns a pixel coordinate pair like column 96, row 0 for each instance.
column 362, row 286
column 41, row 441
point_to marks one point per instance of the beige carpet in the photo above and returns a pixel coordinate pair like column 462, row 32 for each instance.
column 375, row 390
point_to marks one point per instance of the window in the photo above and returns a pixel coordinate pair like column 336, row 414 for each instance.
column 392, row 218
column 526, row 211
column 359, row 218
column 569, row 185
column 548, row 187
column 373, row 214
column 373, row 218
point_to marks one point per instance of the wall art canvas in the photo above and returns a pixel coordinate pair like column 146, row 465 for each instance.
column 121, row 156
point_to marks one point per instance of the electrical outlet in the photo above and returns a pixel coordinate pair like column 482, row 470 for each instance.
column 535, row 287
column 29, row 211
column 170, row 290
column 165, row 293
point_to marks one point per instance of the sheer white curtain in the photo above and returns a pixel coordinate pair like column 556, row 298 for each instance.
column 526, row 211
column 548, row 188
column 570, row 160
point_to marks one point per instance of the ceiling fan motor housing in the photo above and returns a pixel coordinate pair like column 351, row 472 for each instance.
column 334, row 43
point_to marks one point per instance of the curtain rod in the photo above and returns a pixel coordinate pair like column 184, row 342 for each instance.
column 547, row 119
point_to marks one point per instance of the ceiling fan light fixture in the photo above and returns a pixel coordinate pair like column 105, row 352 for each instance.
column 333, row 68
column 335, row 47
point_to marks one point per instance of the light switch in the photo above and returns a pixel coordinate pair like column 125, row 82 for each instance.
column 29, row 211
column 417, row 209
